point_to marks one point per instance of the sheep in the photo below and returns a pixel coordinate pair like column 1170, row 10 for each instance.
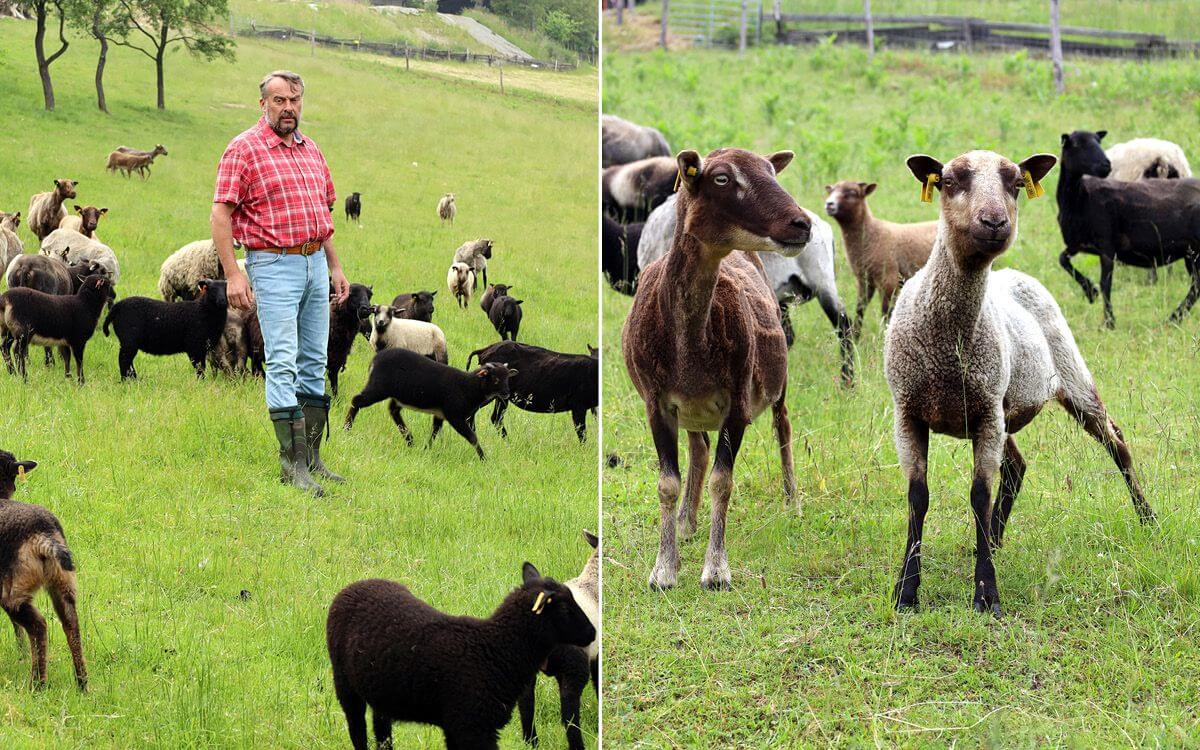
column 129, row 159
column 795, row 280
column 446, row 209
column 410, row 662
column 46, row 211
column 460, row 280
column 475, row 254
column 882, row 254
column 490, row 294
column 619, row 253
column 10, row 244
column 40, row 272
column 416, row 305
column 34, row 555
column 629, row 192
column 408, row 379
column 157, row 327
column 344, row 324
column 28, row 316
column 506, row 315
column 571, row 665
column 85, row 221
column 622, row 141
column 1147, row 158
column 391, row 331
column 73, row 247
column 182, row 270
column 354, row 208
column 240, row 347
column 975, row 353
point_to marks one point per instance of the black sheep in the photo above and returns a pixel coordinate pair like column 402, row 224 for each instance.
column 354, row 207
column 51, row 275
column 345, row 321
column 63, row 320
column 414, row 381
column 156, row 327
column 490, row 294
column 1146, row 223
column 505, row 314
column 33, row 554
column 547, row 382
column 415, row 306
column 410, row 662
column 618, row 254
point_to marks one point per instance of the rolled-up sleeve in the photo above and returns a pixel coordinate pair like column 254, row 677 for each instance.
column 232, row 175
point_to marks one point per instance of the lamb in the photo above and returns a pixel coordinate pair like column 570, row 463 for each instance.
column 409, row 379
column 446, row 209
column 34, row 555
column 46, row 211
column 157, row 327
column 390, row 330
column 410, row 662
column 129, row 159
column 344, row 323
column 1147, row 158
column 28, row 316
column 882, row 254
column 416, row 305
column 475, row 254
column 240, row 347
column 549, row 382
column 619, row 253
column 10, row 244
column 72, row 247
column 622, row 141
column 85, row 222
column 570, row 665
column 506, row 315
column 460, row 280
column 629, row 192
column 354, row 208
column 795, row 279
column 976, row 354
column 490, row 294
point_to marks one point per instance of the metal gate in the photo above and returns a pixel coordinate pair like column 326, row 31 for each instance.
column 711, row 23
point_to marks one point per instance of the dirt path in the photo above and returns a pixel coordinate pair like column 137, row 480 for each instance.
column 484, row 35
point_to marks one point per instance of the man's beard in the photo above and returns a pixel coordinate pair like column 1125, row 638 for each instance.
column 281, row 129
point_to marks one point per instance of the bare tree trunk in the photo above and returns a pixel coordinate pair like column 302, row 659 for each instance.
column 1056, row 46
column 662, row 30
column 103, row 38
column 39, row 45
column 158, row 63
column 870, row 29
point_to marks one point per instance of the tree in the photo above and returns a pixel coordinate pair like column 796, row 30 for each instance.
column 154, row 25
column 41, row 9
column 560, row 27
column 102, row 20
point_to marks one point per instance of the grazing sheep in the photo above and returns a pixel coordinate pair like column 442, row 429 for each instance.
column 409, row 379
column 390, row 330
column 571, row 665
column 548, row 382
column 1147, row 158
column 156, row 327
column 622, row 141
column 182, row 270
column 505, row 314
column 446, row 209
column 28, row 316
column 490, row 294
column 34, row 555
column 129, row 159
column 72, row 247
column 1145, row 223
column 976, row 354
column 85, row 222
column 10, row 244
column 704, row 342
column 354, row 208
column 795, row 279
column 40, row 272
column 345, row 320
column 410, row 662
column 416, row 305
column 619, row 253
column 629, row 192
column 882, row 254
column 46, row 210
column 475, row 254
column 460, row 280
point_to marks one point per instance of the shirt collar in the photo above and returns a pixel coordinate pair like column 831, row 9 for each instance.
column 271, row 138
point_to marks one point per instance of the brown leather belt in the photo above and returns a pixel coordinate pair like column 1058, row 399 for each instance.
column 308, row 248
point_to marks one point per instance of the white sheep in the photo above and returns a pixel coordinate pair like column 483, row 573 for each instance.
column 1147, row 158
column 475, row 254
column 388, row 331
column 446, row 209
column 10, row 244
column 976, row 354
column 72, row 247
column 622, row 141
column 460, row 280
column 183, row 269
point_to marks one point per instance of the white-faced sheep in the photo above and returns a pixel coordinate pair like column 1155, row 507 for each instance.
column 882, row 254
column 390, row 330
column 475, row 254
column 460, row 280
column 73, row 248
column 85, row 220
column 976, row 354
column 1147, row 158
column 10, row 244
column 622, row 141
column 46, row 210
column 446, row 209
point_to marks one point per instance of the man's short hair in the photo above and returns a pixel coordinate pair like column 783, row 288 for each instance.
column 287, row 75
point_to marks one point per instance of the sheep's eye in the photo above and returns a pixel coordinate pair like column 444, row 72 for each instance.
column 721, row 180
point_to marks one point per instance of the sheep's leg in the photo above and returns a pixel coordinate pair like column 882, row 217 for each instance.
column 78, row 352
column 1012, row 474
column 6, row 344
column 866, row 290
column 433, row 433
column 65, row 353
column 912, row 448
column 595, row 668
column 381, row 724
column 1094, row 418
column 526, row 704
column 366, row 397
column 333, row 382
column 698, row 445
column 785, row 318
column 395, row 410
column 23, row 356
column 63, row 598
column 29, row 618
column 885, row 303
column 570, row 667
column 498, row 416
column 1064, row 260
column 720, row 486
column 1106, row 276
column 665, row 432
column 462, row 428
column 988, row 445
column 1185, row 307
column 579, row 417
column 832, row 307
column 783, row 433
column 125, row 362
column 355, row 709
column 49, row 351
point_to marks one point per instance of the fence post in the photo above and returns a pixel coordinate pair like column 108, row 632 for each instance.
column 662, row 27
column 778, row 21
column 620, row 12
column 742, row 31
column 406, row 56
column 502, row 79
column 870, row 29
column 1056, row 46
column 312, row 42
column 758, row 26
column 709, row 38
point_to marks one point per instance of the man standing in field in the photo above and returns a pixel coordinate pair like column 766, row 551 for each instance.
column 274, row 195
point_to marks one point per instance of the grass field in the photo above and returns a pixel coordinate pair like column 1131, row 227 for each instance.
column 1098, row 647
column 167, row 487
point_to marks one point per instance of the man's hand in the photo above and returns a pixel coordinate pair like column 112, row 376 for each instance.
column 339, row 287
column 237, row 289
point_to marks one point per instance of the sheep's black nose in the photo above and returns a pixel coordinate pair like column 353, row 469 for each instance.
column 994, row 223
column 802, row 222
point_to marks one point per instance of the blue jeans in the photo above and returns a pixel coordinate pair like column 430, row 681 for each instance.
column 292, row 292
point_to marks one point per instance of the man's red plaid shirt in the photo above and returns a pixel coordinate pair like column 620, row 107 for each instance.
column 282, row 193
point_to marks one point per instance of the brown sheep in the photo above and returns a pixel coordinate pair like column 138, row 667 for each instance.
column 46, row 210
column 85, row 221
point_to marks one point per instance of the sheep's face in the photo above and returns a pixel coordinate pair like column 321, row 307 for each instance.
column 731, row 200
column 213, row 290
column 499, row 290
column 421, row 305
column 1082, row 152
column 160, row 150
column 846, row 200
column 554, row 602
column 65, row 188
column 359, row 300
column 10, row 221
column 383, row 317
column 495, row 376
column 91, row 217
column 10, row 469
column 487, row 249
column 979, row 193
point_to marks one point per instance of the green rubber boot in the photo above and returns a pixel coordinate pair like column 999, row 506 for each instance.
column 293, row 450
column 316, row 417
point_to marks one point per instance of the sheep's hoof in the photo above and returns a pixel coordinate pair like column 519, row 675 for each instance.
column 1109, row 324
column 982, row 606
column 662, row 579
column 715, row 578
column 909, row 606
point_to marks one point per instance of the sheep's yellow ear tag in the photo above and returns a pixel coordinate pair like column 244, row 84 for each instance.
column 21, row 473
column 540, row 603
column 691, row 172
column 927, row 188
column 1032, row 189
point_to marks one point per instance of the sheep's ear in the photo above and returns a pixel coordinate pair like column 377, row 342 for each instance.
column 481, row 373
column 691, row 167
column 529, row 574
column 591, row 538
column 433, row 294
column 869, row 187
column 922, row 166
column 78, row 210
column 57, row 184
column 1065, row 138
column 780, row 160
column 371, row 289
column 1100, row 134
column 513, row 373
column 103, row 211
column 399, row 310
column 24, row 467
column 202, row 284
column 17, row 215
column 1038, row 165
column 828, row 189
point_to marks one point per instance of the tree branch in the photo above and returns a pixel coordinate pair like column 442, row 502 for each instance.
column 62, row 19
column 124, row 43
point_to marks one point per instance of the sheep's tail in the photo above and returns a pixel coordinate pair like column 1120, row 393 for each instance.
column 54, row 553
column 476, row 353
column 108, row 319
